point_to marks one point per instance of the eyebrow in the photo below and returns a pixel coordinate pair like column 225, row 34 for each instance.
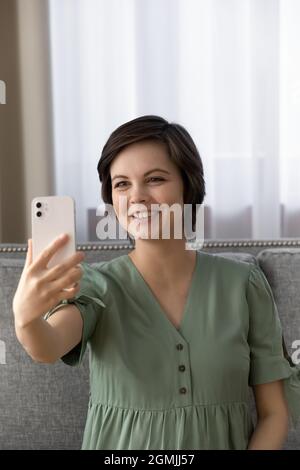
column 145, row 174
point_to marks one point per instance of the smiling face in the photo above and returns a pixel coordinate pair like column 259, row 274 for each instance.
column 143, row 175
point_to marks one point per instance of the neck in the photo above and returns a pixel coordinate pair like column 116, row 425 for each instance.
column 165, row 261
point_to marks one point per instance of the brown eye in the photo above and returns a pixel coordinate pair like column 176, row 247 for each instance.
column 118, row 184
column 157, row 178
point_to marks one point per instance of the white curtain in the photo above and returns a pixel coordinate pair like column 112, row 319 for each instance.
column 227, row 70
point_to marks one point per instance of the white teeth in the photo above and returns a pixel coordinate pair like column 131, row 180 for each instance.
column 141, row 215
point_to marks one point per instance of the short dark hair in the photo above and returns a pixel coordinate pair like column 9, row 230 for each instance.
column 180, row 147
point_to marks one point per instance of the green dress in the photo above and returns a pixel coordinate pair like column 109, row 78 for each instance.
column 153, row 386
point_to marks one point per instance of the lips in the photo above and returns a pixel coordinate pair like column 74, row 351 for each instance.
column 141, row 216
column 151, row 217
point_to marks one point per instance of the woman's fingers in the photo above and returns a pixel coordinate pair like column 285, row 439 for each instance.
column 45, row 256
column 28, row 259
column 57, row 271
column 36, row 294
column 65, row 294
column 67, row 281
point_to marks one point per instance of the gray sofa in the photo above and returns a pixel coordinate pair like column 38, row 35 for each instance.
column 44, row 406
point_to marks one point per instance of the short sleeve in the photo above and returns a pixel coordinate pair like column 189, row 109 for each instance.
column 267, row 359
column 89, row 301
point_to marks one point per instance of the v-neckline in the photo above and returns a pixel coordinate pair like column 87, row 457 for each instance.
column 154, row 299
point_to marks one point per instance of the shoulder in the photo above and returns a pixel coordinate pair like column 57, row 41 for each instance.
column 105, row 273
column 228, row 264
column 109, row 267
column 101, row 279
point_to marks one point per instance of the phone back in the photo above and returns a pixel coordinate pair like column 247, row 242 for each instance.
column 52, row 216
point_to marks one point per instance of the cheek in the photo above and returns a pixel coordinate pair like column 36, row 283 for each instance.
column 115, row 203
column 120, row 205
column 173, row 193
column 116, row 200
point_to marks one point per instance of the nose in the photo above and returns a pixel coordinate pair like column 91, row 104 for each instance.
column 137, row 195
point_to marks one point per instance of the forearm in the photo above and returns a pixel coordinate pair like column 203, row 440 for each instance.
column 39, row 339
column 270, row 433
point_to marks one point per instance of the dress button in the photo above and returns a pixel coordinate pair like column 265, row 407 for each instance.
column 182, row 390
column 181, row 368
column 179, row 347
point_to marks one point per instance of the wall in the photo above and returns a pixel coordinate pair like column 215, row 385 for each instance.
column 26, row 168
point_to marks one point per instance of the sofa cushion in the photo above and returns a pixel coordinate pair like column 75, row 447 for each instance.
column 245, row 257
column 282, row 269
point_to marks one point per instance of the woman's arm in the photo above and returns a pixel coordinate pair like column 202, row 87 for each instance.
column 48, row 340
column 272, row 417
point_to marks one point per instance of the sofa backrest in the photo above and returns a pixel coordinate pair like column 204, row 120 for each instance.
column 44, row 406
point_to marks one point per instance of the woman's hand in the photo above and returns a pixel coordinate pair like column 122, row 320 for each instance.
column 41, row 288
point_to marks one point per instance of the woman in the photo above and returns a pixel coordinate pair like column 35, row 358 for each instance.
column 176, row 335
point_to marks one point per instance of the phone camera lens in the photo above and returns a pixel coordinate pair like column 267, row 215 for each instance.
column 39, row 214
column 38, row 204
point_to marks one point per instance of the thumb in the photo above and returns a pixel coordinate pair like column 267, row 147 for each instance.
column 28, row 260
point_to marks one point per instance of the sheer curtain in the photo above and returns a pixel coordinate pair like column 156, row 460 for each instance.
column 227, row 70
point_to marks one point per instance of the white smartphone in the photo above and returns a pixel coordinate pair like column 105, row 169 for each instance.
column 50, row 217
